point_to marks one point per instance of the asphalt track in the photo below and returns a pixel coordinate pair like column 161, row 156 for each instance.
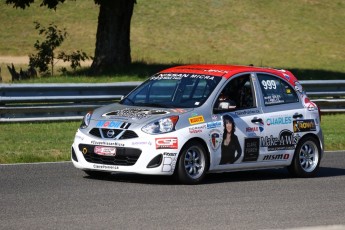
column 58, row 196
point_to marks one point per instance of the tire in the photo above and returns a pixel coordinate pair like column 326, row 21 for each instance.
column 192, row 164
column 96, row 174
column 306, row 159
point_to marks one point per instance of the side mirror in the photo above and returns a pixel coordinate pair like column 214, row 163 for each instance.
column 226, row 105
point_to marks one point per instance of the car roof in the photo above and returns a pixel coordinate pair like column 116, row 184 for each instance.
column 228, row 71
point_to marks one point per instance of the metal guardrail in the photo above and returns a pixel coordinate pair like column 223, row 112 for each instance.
column 51, row 102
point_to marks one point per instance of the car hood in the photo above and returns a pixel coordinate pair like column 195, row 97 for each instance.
column 135, row 114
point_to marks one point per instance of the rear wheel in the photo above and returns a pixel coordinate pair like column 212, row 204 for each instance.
column 306, row 159
column 192, row 164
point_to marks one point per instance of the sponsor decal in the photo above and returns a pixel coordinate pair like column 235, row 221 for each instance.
column 216, row 71
column 169, row 154
column 251, row 149
column 247, row 112
column 215, row 124
column 111, row 167
column 215, row 139
column 197, row 129
column 252, row 129
column 105, row 150
column 255, row 129
column 279, row 121
column 168, row 164
column 136, row 113
column 273, row 99
column 141, row 143
column 285, row 141
column 287, row 76
column 304, row 125
column 214, row 117
column 178, row 76
column 167, row 143
column 84, row 151
column 196, row 120
column 276, row 157
column 108, row 124
column 107, row 143
column 178, row 110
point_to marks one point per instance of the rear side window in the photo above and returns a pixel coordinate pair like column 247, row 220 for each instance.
column 276, row 91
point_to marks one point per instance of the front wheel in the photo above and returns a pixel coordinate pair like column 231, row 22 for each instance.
column 192, row 164
column 306, row 159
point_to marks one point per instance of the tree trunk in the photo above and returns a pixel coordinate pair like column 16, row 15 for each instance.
column 113, row 35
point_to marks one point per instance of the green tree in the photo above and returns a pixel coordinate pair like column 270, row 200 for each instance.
column 113, row 31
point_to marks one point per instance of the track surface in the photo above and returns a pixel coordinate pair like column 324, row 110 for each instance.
column 58, row 196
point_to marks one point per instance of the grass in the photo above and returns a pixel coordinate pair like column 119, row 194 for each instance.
column 305, row 36
column 36, row 142
column 51, row 141
column 333, row 127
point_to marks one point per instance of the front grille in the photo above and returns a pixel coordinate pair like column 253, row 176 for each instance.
column 118, row 134
column 124, row 156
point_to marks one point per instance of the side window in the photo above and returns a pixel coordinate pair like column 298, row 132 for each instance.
column 276, row 91
column 237, row 94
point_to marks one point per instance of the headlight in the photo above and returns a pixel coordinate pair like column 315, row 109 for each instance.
column 86, row 120
column 164, row 125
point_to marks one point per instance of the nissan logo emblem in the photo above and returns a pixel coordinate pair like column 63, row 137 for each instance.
column 110, row 133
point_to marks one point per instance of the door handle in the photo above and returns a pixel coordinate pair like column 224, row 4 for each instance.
column 297, row 116
column 257, row 120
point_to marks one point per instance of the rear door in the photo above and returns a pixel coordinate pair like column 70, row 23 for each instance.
column 281, row 108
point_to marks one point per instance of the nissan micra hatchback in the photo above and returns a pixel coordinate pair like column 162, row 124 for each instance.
column 190, row 120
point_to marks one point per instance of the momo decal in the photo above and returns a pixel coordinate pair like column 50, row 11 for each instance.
column 285, row 141
column 196, row 120
column 215, row 139
column 279, row 121
column 167, row 143
column 276, row 157
column 304, row 125
column 251, row 149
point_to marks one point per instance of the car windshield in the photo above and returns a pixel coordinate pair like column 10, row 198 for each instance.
column 171, row 90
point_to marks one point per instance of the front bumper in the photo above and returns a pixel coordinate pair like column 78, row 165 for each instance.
column 132, row 156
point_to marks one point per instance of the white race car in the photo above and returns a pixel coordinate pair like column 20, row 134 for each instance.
column 190, row 120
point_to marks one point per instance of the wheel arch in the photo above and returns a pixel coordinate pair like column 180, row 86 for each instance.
column 317, row 138
column 203, row 143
